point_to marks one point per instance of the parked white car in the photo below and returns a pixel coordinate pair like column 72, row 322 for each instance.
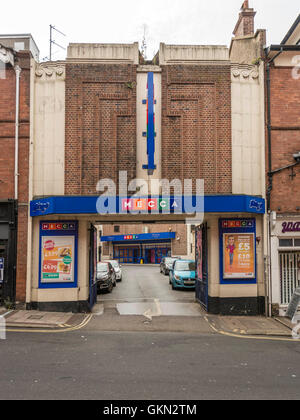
column 118, row 270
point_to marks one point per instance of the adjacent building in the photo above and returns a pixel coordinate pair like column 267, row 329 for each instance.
column 17, row 55
column 283, row 167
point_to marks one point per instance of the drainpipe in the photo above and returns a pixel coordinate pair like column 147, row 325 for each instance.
column 270, row 175
column 18, row 73
column 270, row 178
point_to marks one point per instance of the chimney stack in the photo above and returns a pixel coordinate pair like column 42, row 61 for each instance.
column 245, row 24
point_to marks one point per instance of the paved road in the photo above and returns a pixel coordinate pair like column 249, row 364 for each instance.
column 146, row 283
column 130, row 358
column 144, row 291
column 89, row 364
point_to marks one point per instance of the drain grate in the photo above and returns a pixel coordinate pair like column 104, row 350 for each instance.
column 36, row 317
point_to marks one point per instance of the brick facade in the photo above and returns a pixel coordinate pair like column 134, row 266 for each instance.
column 100, row 125
column 245, row 24
column 7, row 157
column 196, row 125
column 285, row 123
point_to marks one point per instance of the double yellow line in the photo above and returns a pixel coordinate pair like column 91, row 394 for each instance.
column 249, row 337
column 54, row 331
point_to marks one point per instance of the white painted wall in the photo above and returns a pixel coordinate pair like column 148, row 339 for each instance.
column 248, row 141
column 49, row 129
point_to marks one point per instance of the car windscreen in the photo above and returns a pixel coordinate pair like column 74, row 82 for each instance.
column 102, row 267
column 115, row 264
column 185, row 266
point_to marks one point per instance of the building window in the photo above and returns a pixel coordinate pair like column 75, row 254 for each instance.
column 289, row 243
column 289, row 274
column 286, row 243
column 117, row 229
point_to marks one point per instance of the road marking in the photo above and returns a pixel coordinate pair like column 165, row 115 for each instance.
column 74, row 328
column 248, row 337
column 7, row 313
column 149, row 314
column 158, row 307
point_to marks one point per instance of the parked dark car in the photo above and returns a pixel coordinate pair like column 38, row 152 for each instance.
column 166, row 264
column 106, row 277
column 118, row 269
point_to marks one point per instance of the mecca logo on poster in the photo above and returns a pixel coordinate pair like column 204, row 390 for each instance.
column 57, row 259
column 239, row 256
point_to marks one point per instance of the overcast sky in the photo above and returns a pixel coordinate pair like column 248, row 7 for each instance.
column 120, row 21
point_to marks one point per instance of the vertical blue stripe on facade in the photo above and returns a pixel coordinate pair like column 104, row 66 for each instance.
column 150, row 126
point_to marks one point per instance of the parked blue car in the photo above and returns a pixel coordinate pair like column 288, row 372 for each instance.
column 183, row 274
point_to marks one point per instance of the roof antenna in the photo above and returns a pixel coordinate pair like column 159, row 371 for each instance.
column 52, row 42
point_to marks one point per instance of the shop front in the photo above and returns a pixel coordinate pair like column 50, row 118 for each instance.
column 8, row 251
column 140, row 249
column 285, row 260
column 230, row 252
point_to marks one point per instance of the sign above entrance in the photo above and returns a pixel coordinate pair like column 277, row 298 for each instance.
column 290, row 227
column 168, row 205
column 140, row 238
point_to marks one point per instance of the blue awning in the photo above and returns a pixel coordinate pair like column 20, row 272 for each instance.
column 139, row 238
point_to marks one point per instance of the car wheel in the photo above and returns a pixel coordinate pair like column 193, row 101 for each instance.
column 173, row 287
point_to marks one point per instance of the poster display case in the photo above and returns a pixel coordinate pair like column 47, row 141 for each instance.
column 58, row 255
column 237, row 251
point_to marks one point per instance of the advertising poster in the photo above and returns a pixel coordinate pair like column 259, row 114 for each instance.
column 1, row 270
column 239, row 255
column 57, row 259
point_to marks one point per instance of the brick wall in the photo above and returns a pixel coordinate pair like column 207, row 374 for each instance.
column 7, row 157
column 246, row 26
column 285, row 121
column 196, row 125
column 100, row 125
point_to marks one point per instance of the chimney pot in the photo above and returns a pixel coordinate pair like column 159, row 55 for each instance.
column 245, row 24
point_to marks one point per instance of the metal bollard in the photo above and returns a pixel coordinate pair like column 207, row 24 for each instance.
column 2, row 328
column 295, row 332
